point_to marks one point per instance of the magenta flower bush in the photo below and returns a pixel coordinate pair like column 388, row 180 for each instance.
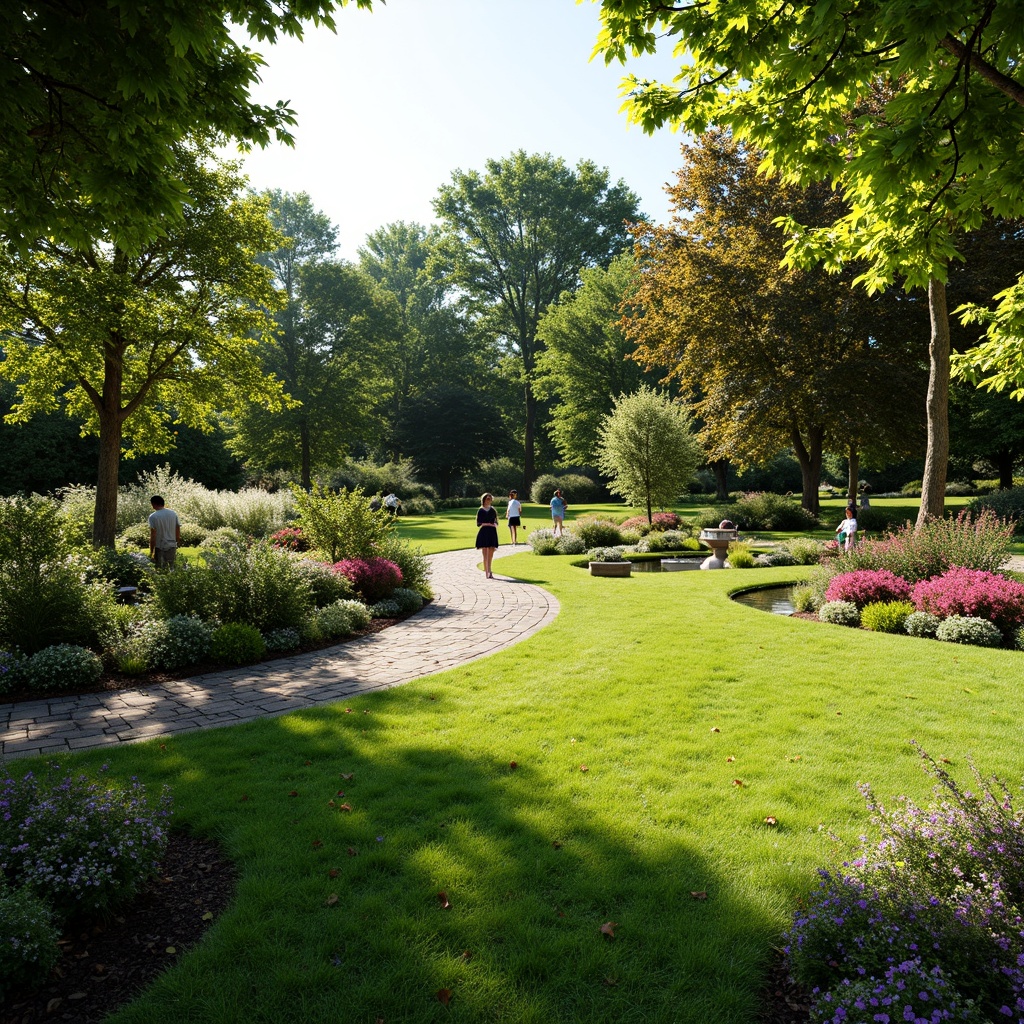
column 973, row 593
column 372, row 578
column 659, row 521
column 291, row 538
column 868, row 586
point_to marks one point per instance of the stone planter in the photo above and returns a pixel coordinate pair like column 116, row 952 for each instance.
column 610, row 568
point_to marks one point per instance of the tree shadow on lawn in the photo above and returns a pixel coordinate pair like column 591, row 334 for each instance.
column 351, row 836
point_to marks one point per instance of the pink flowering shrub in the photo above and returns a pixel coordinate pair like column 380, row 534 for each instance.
column 659, row 521
column 974, row 593
column 291, row 537
column 868, row 586
column 372, row 578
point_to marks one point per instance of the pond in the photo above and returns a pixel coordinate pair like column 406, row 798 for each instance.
column 777, row 600
column 654, row 565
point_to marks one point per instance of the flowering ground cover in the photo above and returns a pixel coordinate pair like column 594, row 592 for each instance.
column 612, row 821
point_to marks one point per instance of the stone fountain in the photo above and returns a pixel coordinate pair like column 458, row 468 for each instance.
column 719, row 541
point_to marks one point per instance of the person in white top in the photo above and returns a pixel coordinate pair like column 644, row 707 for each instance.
column 514, row 514
column 164, row 533
column 847, row 528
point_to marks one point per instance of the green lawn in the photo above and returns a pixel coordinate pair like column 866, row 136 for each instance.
column 653, row 684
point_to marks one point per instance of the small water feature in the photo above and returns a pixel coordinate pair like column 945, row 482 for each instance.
column 655, row 564
column 777, row 600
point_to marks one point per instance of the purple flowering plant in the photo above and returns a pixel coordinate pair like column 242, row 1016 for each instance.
column 943, row 887
column 82, row 844
column 868, row 586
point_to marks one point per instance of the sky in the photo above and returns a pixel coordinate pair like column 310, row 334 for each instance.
column 402, row 96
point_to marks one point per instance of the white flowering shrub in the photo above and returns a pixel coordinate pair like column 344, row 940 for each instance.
column 922, row 624
column 570, row 544
column 805, row 550
column 280, row 640
column 614, row 554
column 386, row 609
column 358, row 613
column 62, row 667
column 177, row 642
column 331, row 622
column 968, row 629
column 774, row 559
column 407, row 600
column 543, row 542
column 839, row 613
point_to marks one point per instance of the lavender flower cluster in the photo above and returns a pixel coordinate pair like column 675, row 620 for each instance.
column 942, row 889
column 79, row 843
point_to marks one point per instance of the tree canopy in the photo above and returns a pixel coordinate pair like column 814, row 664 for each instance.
column 131, row 341
column 518, row 236
column 648, row 449
column 95, row 98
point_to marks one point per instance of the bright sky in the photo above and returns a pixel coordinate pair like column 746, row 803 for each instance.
column 402, row 96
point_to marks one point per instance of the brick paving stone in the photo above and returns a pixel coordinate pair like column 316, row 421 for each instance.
column 469, row 618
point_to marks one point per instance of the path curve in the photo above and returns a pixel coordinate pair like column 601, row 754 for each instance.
column 469, row 618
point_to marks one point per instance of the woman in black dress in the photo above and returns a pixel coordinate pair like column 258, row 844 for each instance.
column 487, row 532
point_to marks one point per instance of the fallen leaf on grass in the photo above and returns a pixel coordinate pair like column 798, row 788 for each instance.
column 347, row 777
column 729, row 760
column 442, row 899
column 331, row 900
column 344, row 807
column 715, row 728
column 340, row 792
column 770, row 820
column 333, row 873
column 294, row 792
column 608, row 928
column 317, row 843
column 348, row 711
column 556, row 844
column 513, row 765
column 170, row 949
column 467, row 955
column 444, row 996
column 796, row 757
column 611, row 982
column 945, row 760
column 584, row 768
column 839, row 712
column 243, row 797
column 163, row 746
column 208, row 916
column 331, row 803
column 966, row 690
column 307, row 763
column 699, row 895
column 737, row 782
column 353, row 852
column 909, row 696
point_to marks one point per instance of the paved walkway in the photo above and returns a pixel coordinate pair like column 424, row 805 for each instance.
column 469, row 617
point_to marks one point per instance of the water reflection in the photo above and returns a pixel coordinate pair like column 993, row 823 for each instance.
column 777, row 600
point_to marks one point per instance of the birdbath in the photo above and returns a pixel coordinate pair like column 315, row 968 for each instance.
column 719, row 541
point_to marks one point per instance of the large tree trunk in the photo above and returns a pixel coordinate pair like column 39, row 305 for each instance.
column 809, row 457
column 531, row 429
column 307, row 478
column 104, row 523
column 853, row 477
column 720, row 467
column 933, row 489
column 1004, row 462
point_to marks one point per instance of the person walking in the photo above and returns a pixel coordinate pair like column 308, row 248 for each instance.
column 557, row 512
column 847, row 528
column 514, row 514
column 164, row 533
column 487, row 532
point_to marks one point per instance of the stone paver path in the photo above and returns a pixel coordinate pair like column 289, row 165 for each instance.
column 469, row 617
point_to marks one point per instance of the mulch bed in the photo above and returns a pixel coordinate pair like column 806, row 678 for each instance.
column 107, row 963
column 782, row 1000
column 112, row 680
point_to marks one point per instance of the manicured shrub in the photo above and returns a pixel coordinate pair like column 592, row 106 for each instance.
column 418, row 507
column 576, row 488
column 709, row 518
column 922, row 624
column 867, row 586
column 342, row 523
column 11, row 665
column 570, row 544
column 82, row 844
column 543, row 542
column 333, row 621
column 740, row 556
column 803, row 599
column 690, row 544
column 28, row 939
column 943, row 884
column 358, row 613
column 666, row 540
column 974, row 593
column 193, row 535
column 886, row 616
column 659, row 521
column 839, row 613
column 966, row 629
column 543, row 488
column 280, row 640
column 176, row 643
column 1008, row 504
column 223, row 536
column 613, row 554
column 237, row 643
column 762, row 510
column 189, row 589
column 120, row 567
column 61, row 667
column 291, row 538
column 805, row 551
column 596, row 533
column 773, row 559
column 408, row 600
column 325, row 585
column 372, row 578
column 386, row 609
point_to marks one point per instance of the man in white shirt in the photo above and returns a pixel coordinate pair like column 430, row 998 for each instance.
column 164, row 533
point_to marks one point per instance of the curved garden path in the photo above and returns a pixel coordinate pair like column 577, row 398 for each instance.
column 469, row 617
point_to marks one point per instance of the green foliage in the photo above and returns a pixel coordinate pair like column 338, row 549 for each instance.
column 886, row 616
column 175, row 642
column 61, row 667
column 570, row 544
column 413, row 563
column 121, row 568
column 967, row 629
column 341, row 524
column 279, row 641
column 804, row 599
column 543, row 542
column 408, row 600
column 595, row 532
column 839, row 613
column 237, row 643
column 325, row 585
column 43, row 594
column 1008, row 504
column 648, row 449
column 337, row 620
column 575, row 487
column 381, row 478
column 766, row 511
column 499, row 476
column 28, row 939
column 740, row 555
column 189, row 589
column 922, row 624
column 386, row 609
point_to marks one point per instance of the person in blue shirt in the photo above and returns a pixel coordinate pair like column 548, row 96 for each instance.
column 557, row 512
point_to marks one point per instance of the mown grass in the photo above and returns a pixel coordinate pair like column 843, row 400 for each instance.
column 652, row 684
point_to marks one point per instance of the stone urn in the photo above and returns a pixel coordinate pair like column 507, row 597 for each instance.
column 610, row 568
column 718, row 540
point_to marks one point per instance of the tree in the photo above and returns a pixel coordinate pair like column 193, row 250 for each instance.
column 986, row 427
column 584, row 362
column 96, row 97
column 771, row 357
column 914, row 109
column 648, row 449
column 447, row 431
column 518, row 236
column 127, row 338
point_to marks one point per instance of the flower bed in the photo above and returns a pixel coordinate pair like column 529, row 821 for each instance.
column 974, row 593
